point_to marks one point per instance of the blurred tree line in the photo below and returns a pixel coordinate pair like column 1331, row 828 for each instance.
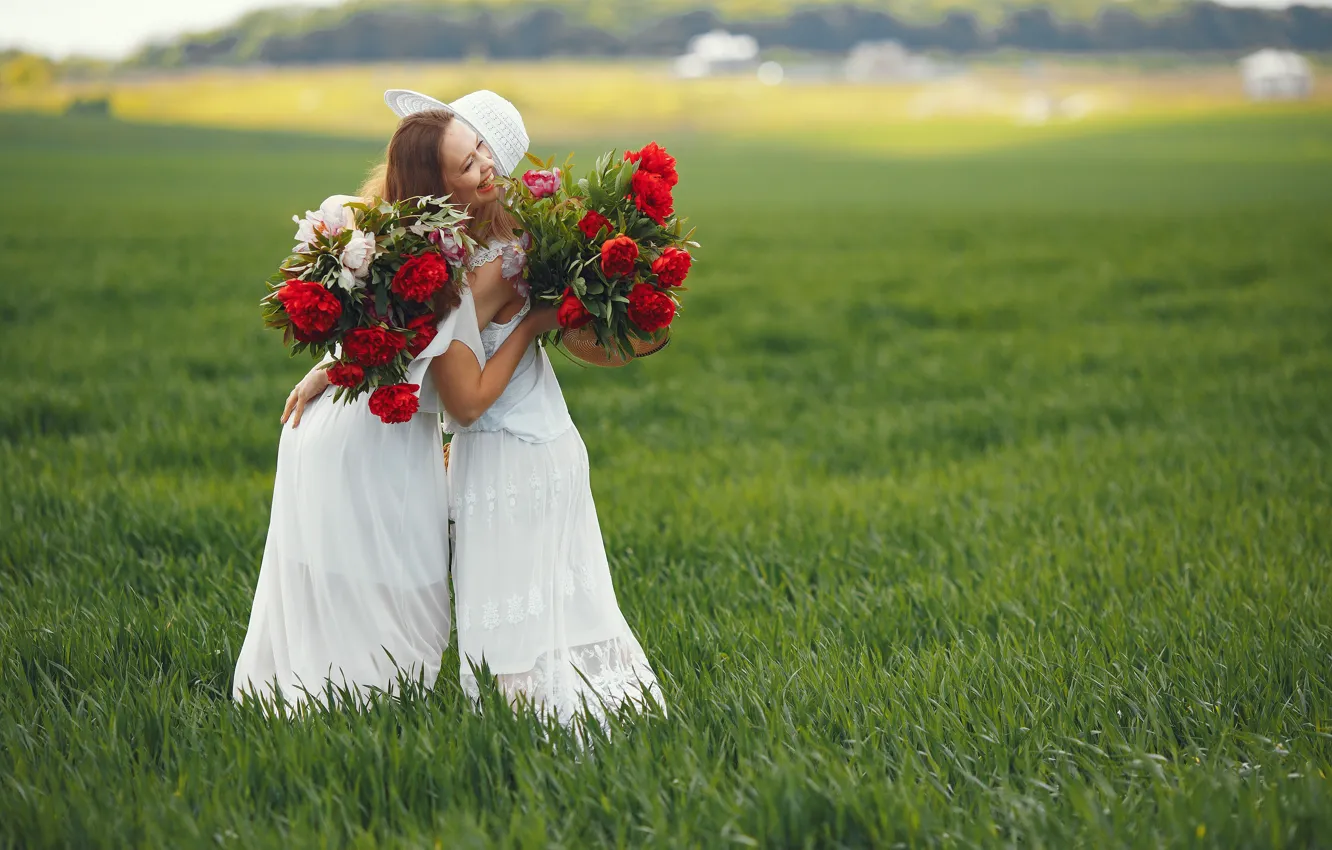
column 517, row 30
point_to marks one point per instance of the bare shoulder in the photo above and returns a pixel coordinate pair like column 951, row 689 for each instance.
column 486, row 272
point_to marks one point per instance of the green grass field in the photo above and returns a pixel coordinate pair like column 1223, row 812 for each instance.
column 980, row 501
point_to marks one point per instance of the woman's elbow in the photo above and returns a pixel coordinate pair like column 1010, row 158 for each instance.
column 465, row 414
column 464, row 411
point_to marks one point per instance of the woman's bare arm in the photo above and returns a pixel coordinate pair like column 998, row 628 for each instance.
column 467, row 390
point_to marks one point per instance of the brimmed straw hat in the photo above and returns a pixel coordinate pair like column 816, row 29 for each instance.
column 582, row 345
column 495, row 120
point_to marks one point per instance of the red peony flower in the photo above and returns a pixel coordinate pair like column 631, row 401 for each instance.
column 395, row 403
column 421, row 277
column 371, row 347
column 345, row 375
column 311, row 337
column 618, row 256
column 654, row 160
column 424, row 330
column 652, row 195
column 572, row 314
column 649, row 309
column 313, row 310
column 592, row 223
column 672, row 267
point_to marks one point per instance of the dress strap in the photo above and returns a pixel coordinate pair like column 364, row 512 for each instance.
column 481, row 256
column 527, row 308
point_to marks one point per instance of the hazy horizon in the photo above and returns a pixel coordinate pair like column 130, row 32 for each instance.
column 103, row 30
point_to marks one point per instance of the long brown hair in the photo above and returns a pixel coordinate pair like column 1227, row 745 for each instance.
column 414, row 166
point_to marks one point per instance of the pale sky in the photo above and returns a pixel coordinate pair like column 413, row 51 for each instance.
column 115, row 28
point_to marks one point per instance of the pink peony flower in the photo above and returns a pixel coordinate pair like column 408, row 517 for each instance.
column 542, row 183
column 449, row 244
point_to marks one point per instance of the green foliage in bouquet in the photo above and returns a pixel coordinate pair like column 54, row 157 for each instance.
column 607, row 248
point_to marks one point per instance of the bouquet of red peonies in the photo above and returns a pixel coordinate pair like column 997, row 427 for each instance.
column 608, row 250
column 362, row 285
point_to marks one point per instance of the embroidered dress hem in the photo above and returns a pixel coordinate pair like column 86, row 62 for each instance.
column 535, row 601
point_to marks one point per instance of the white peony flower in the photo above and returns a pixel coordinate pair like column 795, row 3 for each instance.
column 347, row 280
column 359, row 252
column 331, row 219
column 514, row 260
column 305, row 231
column 335, row 216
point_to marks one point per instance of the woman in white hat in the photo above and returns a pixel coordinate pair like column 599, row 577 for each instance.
column 353, row 591
column 534, row 598
column 536, row 608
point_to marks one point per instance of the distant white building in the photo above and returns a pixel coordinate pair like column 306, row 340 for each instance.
column 1276, row 75
column 718, row 52
column 887, row 61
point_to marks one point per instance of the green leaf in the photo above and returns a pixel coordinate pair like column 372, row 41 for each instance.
column 623, row 178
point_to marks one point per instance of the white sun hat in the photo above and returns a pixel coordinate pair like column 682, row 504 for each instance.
column 495, row 120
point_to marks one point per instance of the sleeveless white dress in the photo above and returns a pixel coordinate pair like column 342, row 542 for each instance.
column 535, row 602
column 353, row 590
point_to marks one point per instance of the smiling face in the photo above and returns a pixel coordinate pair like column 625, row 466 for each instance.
column 433, row 154
column 469, row 169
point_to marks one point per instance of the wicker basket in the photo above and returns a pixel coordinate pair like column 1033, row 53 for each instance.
column 581, row 344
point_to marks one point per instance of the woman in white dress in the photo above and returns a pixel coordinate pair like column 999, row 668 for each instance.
column 535, row 602
column 534, row 596
column 352, row 595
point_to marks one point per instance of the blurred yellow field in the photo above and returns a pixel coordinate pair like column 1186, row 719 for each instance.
column 987, row 108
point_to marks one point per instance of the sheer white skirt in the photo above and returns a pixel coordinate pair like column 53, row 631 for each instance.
column 535, row 601
column 353, row 589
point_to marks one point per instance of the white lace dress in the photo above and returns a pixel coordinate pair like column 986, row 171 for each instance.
column 535, row 601
column 353, row 589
